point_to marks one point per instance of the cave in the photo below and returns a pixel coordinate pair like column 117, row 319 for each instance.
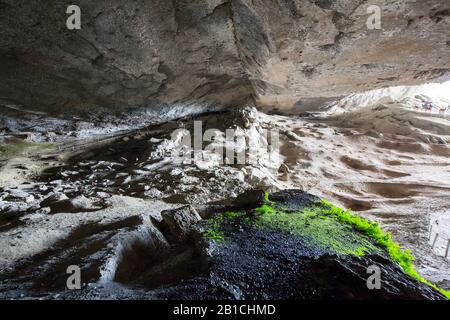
column 225, row 150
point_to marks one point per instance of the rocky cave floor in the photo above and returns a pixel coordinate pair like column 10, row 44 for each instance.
column 103, row 203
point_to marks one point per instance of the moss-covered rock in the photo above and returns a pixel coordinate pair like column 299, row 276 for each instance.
column 324, row 230
column 17, row 147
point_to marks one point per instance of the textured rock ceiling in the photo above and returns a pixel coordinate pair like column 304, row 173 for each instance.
column 275, row 53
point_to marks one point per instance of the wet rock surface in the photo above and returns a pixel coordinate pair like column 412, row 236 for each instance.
column 266, row 264
column 251, row 263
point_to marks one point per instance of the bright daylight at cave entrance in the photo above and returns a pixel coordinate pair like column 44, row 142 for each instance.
column 230, row 150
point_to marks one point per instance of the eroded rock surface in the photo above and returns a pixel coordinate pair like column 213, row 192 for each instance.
column 215, row 52
column 135, row 255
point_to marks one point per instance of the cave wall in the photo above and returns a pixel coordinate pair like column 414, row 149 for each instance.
column 275, row 53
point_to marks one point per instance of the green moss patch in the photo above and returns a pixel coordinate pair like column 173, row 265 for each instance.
column 404, row 258
column 11, row 149
column 317, row 229
column 213, row 229
column 214, row 226
column 326, row 227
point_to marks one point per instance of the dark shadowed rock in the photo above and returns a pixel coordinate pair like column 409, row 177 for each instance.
column 181, row 222
column 249, row 199
column 244, row 262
